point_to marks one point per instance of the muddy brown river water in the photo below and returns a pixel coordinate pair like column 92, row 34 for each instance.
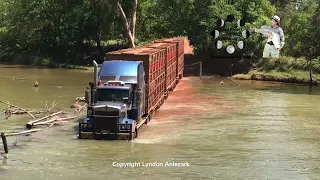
column 258, row 130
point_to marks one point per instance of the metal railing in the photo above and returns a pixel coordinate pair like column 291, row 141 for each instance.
column 200, row 67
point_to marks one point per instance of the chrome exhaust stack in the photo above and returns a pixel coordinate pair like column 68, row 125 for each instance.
column 95, row 79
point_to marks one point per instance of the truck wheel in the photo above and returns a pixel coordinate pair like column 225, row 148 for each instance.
column 136, row 133
column 147, row 119
column 131, row 137
column 166, row 94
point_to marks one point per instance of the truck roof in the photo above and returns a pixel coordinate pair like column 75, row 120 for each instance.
column 142, row 51
column 120, row 51
column 159, row 44
column 177, row 39
column 137, row 50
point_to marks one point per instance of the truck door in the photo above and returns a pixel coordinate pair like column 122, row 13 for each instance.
column 141, row 85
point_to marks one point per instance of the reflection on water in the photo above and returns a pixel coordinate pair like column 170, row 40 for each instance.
column 258, row 130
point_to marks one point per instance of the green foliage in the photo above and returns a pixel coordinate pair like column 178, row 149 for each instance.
column 288, row 64
column 75, row 31
column 300, row 27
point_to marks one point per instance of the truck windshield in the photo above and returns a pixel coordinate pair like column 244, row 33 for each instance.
column 116, row 95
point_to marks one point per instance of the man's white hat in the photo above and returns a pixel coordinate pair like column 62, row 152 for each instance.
column 277, row 18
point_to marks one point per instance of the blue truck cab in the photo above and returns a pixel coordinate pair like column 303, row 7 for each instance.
column 116, row 110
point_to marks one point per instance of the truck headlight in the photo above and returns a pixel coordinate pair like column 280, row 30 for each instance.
column 89, row 112
column 125, row 127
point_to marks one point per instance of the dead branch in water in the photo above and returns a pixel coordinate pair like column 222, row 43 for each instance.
column 31, row 123
column 22, row 109
column 80, row 99
column 82, row 107
column 46, row 107
column 22, row 132
column 77, row 107
column 13, row 78
column 54, row 121
column 9, row 110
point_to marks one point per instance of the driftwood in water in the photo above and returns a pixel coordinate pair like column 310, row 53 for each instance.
column 78, row 107
column 4, row 139
column 31, row 123
column 22, row 132
column 54, row 121
column 13, row 78
column 22, row 109
column 46, row 107
column 80, row 99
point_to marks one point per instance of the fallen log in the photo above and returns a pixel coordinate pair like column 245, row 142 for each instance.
column 22, row 132
column 31, row 123
column 21, row 112
column 49, row 122
column 13, row 78
column 58, row 123
column 51, row 125
column 18, row 108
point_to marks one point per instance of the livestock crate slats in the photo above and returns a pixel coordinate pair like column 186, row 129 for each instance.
column 170, row 63
column 180, row 53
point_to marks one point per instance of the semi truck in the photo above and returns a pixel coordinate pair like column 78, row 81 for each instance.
column 129, row 87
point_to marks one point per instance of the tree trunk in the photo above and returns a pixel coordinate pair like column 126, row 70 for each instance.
column 134, row 18
column 126, row 25
column 98, row 37
column 310, row 72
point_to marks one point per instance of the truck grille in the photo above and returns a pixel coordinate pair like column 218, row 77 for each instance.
column 104, row 124
column 106, row 113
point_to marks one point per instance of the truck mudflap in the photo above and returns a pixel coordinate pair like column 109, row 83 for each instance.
column 86, row 131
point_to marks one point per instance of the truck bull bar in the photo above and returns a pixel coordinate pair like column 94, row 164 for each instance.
column 86, row 131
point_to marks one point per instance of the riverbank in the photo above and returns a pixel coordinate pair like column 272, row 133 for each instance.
column 58, row 66
column 284, row 69
column 47, row 63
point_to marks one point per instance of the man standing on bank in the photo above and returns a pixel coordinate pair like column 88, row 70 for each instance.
column 269, row 48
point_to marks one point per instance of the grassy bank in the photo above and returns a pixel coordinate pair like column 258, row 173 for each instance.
column 284, row 69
